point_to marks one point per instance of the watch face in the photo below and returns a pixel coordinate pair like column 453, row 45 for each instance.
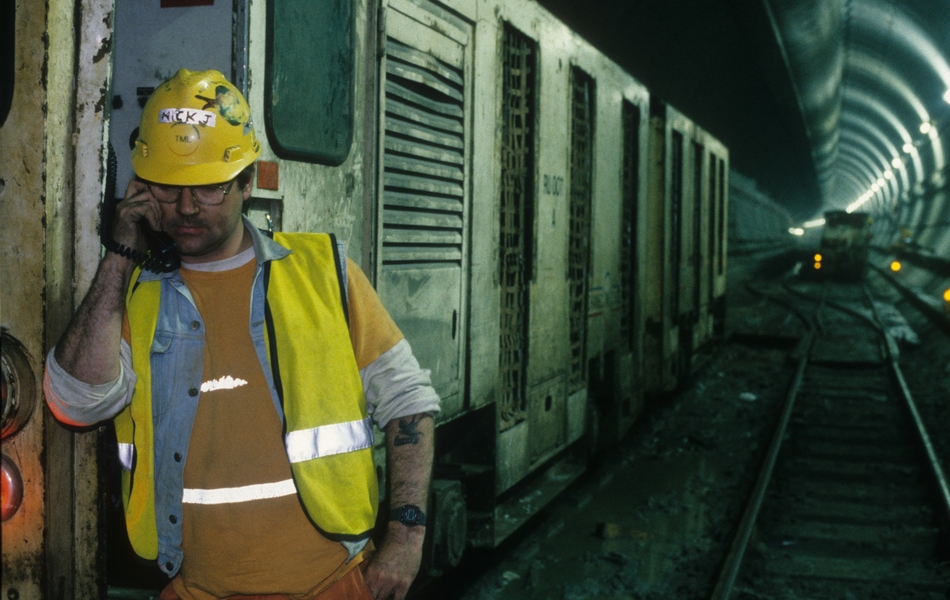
column 410, row 514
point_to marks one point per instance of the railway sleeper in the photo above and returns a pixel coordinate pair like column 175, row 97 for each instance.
column 808, row 546
column 849, row 395
column 909, row 575
column 880, row 432
column 851, row 451
column 852, row 470
column 821, row 378
column 870, row 491
column 857, row 513
column 786, row 530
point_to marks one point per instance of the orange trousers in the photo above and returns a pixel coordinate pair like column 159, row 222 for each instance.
column 351, row 586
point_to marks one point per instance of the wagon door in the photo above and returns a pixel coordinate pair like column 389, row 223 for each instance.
column 423, row 186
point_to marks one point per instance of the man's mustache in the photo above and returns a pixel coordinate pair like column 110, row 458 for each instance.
column 188, row 223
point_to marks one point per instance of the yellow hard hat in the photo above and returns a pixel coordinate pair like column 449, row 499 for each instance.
column 196, row 130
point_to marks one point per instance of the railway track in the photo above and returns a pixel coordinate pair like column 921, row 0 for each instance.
column 851, row 501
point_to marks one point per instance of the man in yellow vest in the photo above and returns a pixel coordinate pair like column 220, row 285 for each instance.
column 243, row 382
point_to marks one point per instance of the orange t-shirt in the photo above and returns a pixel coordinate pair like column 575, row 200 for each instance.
column 264, row 545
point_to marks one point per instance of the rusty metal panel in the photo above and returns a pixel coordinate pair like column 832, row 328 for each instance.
column 427, row 314
column 582, row 91
column 22, row 163
column 546, row 419
column 516, row 222
column 22, row 216
column 483, row 326
column 513, row 460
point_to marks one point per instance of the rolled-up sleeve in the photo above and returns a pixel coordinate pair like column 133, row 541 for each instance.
column 396, row 387
column 76, row 402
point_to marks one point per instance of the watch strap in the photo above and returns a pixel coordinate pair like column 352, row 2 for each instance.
column 409, row 515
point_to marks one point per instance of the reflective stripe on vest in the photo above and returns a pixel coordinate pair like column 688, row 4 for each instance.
column 126, row 456
column 245, row 493
column 327, row 440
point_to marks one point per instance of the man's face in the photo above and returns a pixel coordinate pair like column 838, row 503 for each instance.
column 205, row 233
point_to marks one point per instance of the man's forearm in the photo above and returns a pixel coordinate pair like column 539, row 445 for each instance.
column 89, row 348
column 410, row 444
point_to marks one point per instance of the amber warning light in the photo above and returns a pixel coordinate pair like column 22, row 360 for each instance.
column 895, row 266
column 12, row 491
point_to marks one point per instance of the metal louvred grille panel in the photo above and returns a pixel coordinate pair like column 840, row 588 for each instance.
column 628, row 230
column 423, row 158
column 517, row 137
column 579, row 239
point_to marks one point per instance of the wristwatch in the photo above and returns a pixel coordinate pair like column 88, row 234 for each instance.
column 409, row 515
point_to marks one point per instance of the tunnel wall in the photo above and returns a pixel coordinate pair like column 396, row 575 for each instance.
column 756, row 222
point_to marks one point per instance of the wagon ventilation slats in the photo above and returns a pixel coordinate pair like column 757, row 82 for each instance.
column 423, row 159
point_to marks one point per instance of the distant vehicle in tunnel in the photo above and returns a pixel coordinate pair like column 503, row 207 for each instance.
column 845, row 241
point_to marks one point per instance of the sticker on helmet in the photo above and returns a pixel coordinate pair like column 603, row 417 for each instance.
column 230, row 105
column 191, row 116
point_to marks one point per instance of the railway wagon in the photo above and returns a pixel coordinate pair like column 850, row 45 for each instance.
column 686, row 214
column 490, row 171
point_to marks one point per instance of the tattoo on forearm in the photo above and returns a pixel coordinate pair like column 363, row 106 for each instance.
column 408, row 431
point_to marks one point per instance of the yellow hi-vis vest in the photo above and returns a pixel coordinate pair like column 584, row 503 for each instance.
column 328, row 432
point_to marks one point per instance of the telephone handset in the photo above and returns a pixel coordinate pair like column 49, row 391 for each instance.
column 162, row 254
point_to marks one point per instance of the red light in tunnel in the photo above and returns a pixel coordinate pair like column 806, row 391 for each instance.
column 11, row 494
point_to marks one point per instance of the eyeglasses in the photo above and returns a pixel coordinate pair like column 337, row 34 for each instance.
column 206, row 195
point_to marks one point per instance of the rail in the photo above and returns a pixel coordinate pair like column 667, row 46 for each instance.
column 732, row 565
